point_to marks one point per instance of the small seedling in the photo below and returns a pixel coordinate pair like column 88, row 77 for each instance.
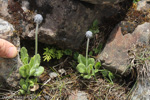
column 94, row 28
column 96, row 50
column 109, row 76
column 52, row 53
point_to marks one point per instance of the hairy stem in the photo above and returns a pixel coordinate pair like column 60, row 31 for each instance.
column 87, row 47
column 36, row 38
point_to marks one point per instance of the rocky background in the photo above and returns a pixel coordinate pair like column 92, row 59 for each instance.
column 122, row 25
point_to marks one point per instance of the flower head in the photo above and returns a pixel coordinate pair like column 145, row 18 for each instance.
column 38, row 18
column 89, row 34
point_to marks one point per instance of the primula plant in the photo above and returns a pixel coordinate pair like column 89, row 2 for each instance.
column 87, row 67
column 31, row 68
column 87, row 71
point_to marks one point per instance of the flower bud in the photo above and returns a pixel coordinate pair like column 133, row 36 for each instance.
column 38, row 18
column 89, row 34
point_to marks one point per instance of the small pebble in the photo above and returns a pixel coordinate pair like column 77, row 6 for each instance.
column 53, row 74
column 62, row 71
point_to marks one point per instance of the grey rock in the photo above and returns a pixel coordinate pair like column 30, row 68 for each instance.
column 115, row 53
column 141, row 90
column 3, row 8
column 8, row 66
column 65, row 22
column 143, row 5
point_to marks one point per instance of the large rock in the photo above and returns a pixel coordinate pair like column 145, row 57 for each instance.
column 115, row 54
column 8, row 66
column 66, row 21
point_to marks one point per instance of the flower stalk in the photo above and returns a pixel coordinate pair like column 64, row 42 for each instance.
column 36, row 39
column 37, row 19
column 87, row 47
column 88, row 35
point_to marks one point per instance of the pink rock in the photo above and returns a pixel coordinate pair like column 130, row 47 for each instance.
column 115, row 54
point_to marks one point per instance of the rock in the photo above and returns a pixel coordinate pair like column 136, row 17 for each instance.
column 143, row 5
column 62, row 71
column 65, row 22
column 53, row 75
column 78, row 95
column 25, row 5
column 141, row 90
column 3, row 8
column 102, row 1
column 8, row 66
column 115, row 54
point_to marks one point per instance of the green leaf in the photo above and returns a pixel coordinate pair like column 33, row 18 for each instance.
column 97, row 65
column 32, row 71
column 81, row 68
column 21, row 92
column 87, row 76
column 96, row 70
column 68, row 52
column 75, row 55
column 34, row 80
column 135, row 1
column 22, row 81
column 111, row 76
column 59, row 54
column 24, row 55
column 23, row 70
column 89, row 69
column 98, row 49
column 90, row 53
column 31, row 83
column 95, row 23
column 104, row 73
column 46, row 57
column 96, row 31
column 81, row 59
column 94, row 28
column 35, row 61
column 39, row 71
column 25, row 87
column 91, row 61
column 49, row 54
